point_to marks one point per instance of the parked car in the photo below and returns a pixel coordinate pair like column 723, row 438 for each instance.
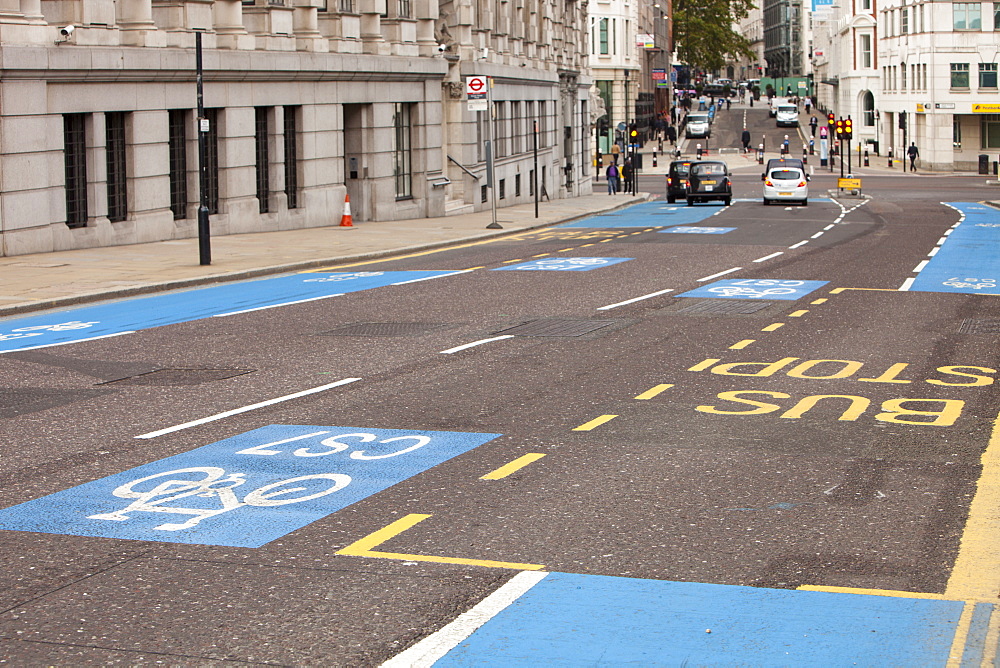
column 697, row 125
column 782, row 162
column 786, row 183
column 677, row 176
column 708, row 180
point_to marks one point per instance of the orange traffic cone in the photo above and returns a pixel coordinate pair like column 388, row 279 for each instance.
column 345, row 220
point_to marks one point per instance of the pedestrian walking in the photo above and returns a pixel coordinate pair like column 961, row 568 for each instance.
column 813, row 123
column 913, row 154
column 729, row 103
column 745, row 138
column 627, row 174
column 672, row 134
column 612, row 176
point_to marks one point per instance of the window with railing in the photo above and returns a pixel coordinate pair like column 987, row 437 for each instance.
column 75, row 163
column 403, row 149
column 115, row 149
column 211, row 178
column 177, row 149
column 291, row 142
column 262, row 163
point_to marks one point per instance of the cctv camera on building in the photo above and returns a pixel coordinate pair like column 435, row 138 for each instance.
column 442, row 48
column 67, row 31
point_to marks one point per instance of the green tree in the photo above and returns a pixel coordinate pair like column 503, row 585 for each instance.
column 703, row 32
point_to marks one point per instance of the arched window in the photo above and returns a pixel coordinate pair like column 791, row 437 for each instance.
column 868, row 108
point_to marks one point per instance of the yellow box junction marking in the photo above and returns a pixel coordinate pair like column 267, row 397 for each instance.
column 740, row 345
column 653, row 391
column 513, row 466
column 976, row 573
column 798, row 314
column 596, row 422
column 771, row 328
column 819, row 301
column 365, row 548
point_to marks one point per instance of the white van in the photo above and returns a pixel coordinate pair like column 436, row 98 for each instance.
column 787, row 116
column 698, row 125
column 775, row 103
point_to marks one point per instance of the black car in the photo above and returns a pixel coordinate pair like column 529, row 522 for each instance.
column 708, row 180
column 677, row 180
column 779, row 163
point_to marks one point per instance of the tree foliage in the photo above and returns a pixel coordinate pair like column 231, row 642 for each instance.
column 703, row 32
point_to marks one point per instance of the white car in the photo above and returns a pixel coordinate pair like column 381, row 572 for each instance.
column 786, row 184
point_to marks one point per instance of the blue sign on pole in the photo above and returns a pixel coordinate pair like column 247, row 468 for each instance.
column 244, row 491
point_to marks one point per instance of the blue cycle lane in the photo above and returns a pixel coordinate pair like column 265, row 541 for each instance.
column 969, row 259
column 122, row 317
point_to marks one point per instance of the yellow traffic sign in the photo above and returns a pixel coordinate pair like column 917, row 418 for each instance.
column 849, row 184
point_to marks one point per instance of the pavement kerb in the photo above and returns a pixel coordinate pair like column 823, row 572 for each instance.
column 245, row 274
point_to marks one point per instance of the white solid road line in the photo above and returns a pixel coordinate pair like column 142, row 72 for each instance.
column 721, row 273
column 244, row 409
column 66, row 343
column 264, row 308
column 426, row 652
column 476, row 343
column 431, row 278
column 635, row 299
column 768, row 257
column 801, row 243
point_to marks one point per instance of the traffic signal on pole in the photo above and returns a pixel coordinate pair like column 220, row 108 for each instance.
column 840, row 128
column 829, row 119
column 848, row 129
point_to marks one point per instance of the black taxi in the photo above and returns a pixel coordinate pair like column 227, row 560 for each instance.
column 708, row 180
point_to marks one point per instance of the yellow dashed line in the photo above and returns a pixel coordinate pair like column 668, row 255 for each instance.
column 740, row 345
column 819, row 301
column 596, row 422
column 653, row 391
column 798, row 314
column 542, row 255
column 704, row 364
column 873, row 592
column 563, row 250
column 771, row 328
column 510, row 261
column 513, row 466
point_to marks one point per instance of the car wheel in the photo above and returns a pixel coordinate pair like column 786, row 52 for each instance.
column 671, row 199
column 805, row 202
column 690, row 202
column 728, row 201
column 766, row 201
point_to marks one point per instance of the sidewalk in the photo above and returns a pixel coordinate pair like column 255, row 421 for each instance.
column 64, row 278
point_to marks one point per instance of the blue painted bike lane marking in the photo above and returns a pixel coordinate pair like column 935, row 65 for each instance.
column 755, row 288
column 565, row 264
column 969, row 260
column 130, row 315
column 243, row 491
column 650, row 214
column 592, row 620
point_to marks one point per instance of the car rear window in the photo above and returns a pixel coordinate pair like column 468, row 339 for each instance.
column 680, row 170
column 708, row 169
column 698, row 118
column 788, row 109
column 786, row 174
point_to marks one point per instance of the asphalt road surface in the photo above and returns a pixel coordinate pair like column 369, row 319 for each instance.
column 713, row 435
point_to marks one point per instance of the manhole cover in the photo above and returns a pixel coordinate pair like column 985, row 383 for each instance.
column 179, row 377
column 724, row 307
column 980, row 326
column 557, row 327
column 386, row 329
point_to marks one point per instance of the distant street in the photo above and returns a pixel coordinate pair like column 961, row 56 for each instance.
column 668, row 434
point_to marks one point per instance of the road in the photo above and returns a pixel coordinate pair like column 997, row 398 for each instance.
column 706, row 434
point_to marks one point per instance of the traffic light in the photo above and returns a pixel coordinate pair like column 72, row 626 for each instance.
column 848, row 129
column 902, row 120
column 829, row 119
column 840, row 127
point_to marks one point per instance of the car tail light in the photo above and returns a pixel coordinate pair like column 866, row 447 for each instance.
column 669, row 181
column 768, row 183
column 802, row 184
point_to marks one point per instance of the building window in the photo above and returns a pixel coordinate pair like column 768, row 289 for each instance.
column 868, row 109
column 503, row 189
column 991, row 131
column 960, row 75
column 987, row 75
column 483, row 194
column 177, row 148
column 531, row 183
column 261, row 136
column 211, row 182
column 902, row 75
column 866, row 5
column 602, row 31
column 500, row 130
column 996, row 15
column 114, row 124
column 291, row 137
column 543, row 123
column 517, row 185
column 347, row 6
column 481, row 136
column 956, row 132
column 904, row 21
column 966, row 16
column 866, row 50
column 516, row 132
column 75, row 159
column 402, row 150
column 403, row 7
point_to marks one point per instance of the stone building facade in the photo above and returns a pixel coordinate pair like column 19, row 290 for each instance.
column 307, row 102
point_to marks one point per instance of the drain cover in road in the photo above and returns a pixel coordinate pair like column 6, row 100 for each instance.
column 386, row 329
column 725, row 307
column 557, row 327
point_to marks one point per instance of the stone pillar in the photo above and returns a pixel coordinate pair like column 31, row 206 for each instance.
column 229, row 29
column 135, row 20
column 305, row 23
column 371, row 27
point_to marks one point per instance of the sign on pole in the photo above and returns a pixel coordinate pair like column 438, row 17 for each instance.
column 476, row 88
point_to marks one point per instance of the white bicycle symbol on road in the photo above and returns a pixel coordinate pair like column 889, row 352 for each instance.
column 344, row 277
column 750, row 293
column 212, row 482
column 974, row 283
column 38, row 330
